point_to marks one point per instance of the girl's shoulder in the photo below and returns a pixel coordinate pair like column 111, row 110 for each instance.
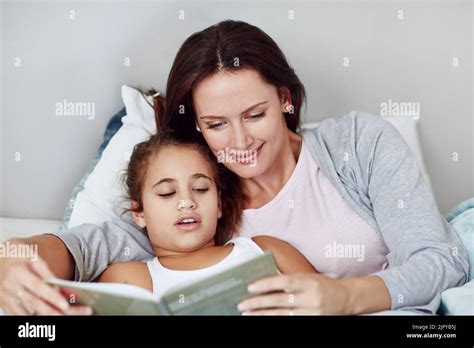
column 287, row 257
column 133, row 272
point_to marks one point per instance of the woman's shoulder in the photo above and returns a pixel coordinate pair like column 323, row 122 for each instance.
column 353, row 122
column 355, row 134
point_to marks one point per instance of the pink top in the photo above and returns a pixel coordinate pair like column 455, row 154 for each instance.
column 311, row 215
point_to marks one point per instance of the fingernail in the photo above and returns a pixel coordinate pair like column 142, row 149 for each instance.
column 252, row 288
column 64, row 305
column 88, row 311
column 242, row 306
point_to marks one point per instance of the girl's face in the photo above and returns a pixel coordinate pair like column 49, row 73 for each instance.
column 241, row 119
column 181, row 203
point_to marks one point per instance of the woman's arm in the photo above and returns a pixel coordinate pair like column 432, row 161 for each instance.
column 288, row 259
column 426, row 255
column 53, row 251
column 94, row 247
column 366, row 295
column 311, row 293
column 23, row 287
column 81, row 253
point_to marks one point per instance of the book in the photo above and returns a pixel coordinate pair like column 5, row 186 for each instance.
column 217, row 294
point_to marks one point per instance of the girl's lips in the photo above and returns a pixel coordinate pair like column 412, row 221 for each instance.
column 189, row 226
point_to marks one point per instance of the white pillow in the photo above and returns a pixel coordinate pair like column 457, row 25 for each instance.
column 104, row 195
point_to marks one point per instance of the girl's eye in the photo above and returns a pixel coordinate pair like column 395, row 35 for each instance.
column 166, row 194
column 202, row 190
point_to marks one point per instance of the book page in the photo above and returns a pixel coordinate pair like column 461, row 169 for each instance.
column 125, row 290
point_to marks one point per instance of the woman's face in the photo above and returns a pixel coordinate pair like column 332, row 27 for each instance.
column 241, row 119
column 180, row 201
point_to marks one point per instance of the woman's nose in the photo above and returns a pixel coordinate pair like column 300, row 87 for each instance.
column 242, row 138
column 186, row 204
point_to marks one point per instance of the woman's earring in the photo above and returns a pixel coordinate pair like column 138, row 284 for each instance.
column 198, row 129
column 289, row 109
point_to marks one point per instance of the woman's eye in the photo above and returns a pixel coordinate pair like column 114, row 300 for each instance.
column 256, row 116
column 166, row 194
column 215, row 125
column 202, row 190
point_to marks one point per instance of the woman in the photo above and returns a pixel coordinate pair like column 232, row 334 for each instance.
column 348, row 195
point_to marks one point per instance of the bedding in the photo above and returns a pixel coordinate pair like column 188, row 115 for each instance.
column 112, row 127
column 462, row 219
column 460, row 300
column 103, row 197
column 22, row 228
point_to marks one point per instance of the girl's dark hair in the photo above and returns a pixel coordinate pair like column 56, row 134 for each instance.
column 228, row 184
column 219, row 48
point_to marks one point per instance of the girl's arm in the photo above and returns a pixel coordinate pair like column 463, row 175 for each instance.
column 134, row 273
column 288, row 259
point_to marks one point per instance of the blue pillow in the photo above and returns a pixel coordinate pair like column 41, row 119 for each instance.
column 112, row 127
column 459, row 300
column 462, row 220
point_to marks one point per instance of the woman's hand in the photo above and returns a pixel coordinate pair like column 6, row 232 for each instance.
column 302, row 294
column 316, row 294
column 24, row 291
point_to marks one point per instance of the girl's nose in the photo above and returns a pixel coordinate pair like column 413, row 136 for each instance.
column 186, row 204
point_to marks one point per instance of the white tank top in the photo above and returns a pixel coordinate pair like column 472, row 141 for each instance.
column 164, row 278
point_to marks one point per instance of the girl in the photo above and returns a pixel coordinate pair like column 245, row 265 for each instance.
column 189, row 206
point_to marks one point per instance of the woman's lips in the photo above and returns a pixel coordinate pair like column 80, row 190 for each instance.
column 250, row 158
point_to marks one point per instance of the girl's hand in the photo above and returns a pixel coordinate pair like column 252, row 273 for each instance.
column 302, row 294
column 24, row 291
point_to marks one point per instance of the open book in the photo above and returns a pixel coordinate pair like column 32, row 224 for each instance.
column 218, row 294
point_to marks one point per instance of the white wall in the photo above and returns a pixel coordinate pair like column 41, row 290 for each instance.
column 405, row 60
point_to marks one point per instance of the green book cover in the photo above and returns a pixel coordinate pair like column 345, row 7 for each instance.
column 218, row 294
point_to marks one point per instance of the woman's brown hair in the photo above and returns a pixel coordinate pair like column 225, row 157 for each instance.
column 227, row 183
column 227, row 46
